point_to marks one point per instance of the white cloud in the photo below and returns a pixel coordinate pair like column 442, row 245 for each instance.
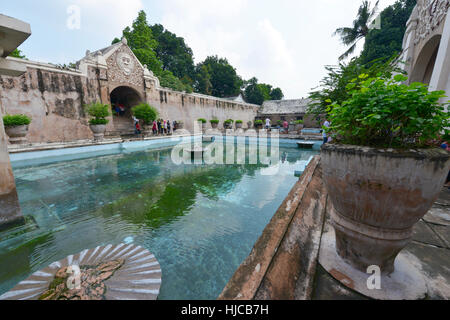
column 108, row 16
column 285, row 43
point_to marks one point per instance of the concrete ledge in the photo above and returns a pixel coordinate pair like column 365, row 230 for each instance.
column 283, row 261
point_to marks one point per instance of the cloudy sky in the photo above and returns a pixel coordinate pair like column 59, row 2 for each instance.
column 285, row 43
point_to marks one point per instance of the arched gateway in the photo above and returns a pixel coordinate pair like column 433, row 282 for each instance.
column 122, row 99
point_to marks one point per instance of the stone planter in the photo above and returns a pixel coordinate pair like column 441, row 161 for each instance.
column 227, row 126
column 258, row 126
column 98, row 130
column 378, row 196
column 147, row 129
column 17, row 134
column 238, row 125
column 214, row 125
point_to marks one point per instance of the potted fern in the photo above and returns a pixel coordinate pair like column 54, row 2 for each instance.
column 228, row 124
column 16, row 127
column 381, row 171
column 98, row 111
column 214, row 123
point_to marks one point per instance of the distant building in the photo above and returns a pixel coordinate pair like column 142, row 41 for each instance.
column 290, row 110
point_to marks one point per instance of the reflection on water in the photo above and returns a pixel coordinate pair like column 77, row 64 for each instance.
column 200, row 221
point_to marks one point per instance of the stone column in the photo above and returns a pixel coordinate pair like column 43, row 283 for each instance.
column 10, row 212
column 13, row 32
column 440, row 80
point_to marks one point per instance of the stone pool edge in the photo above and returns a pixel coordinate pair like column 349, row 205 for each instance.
column 280, row 266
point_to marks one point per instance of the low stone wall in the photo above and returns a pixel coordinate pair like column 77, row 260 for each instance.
column 283, row 261
column 54, row 99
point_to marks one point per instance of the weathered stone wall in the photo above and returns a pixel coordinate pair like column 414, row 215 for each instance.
column 53, row 100
column 188, row 108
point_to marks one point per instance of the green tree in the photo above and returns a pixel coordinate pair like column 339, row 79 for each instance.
column 202, row 82
column 173, row 52
column 142, row 43
column 225, row 82
column 387, row 41
column 257, row 93
column 276, row 94
column 360, row 29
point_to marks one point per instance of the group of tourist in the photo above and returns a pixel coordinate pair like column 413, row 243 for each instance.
column 163, row 127
column 159, row 127
column 119, row 109
column 285, row 126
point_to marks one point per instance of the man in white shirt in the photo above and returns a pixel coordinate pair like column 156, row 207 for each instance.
column 326, row 124
column 267, row 124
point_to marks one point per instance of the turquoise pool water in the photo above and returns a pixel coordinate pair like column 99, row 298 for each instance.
column 200, row 221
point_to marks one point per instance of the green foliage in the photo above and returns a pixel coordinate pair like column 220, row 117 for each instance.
column 239, row 121
column 171, row 60
column 257, row 93
column 99, row 112
column 145, row 112
column 142, row 43
column 16, row 120
column 299, row 122
column 383, row 112
column 214, row 121
column 173, row 52
column 168, row 80
column 258, row 122
column 332, row 87
column 201, row 120
column 224, row 80
column 17, row 54
column 228, row 121
column 98, row 121
column 387, row 41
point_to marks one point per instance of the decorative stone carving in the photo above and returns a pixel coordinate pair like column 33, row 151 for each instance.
column 125, row 62
column 431, row 13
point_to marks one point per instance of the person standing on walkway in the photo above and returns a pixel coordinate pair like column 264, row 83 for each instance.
column 168, row 127
column 267, row 124
column 155, row 128
column 286, row 127
column 326, row 124
column 159, row 126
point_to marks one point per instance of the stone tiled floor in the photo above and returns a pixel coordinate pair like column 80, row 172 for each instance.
column 431, row 247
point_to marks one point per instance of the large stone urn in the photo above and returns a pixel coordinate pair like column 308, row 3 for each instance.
column 17, row 134
column 98, row 130
column 378, row 196
column 238, row 125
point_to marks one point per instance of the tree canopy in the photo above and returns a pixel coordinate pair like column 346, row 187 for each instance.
column 172, row 61
column 257, row 93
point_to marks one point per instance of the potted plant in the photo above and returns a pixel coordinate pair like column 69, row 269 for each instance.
column 258, row 124
column 214, row 123
column 203, row 123
column 381, row 174
column 238, row 124
column 99, row 112
column 16, row 127
column 228, row 124
column 298, row 125
column 147, row 114
column 249, row 124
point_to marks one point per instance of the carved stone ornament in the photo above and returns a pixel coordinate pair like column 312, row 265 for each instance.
column 125, row 62
column 431, row 13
